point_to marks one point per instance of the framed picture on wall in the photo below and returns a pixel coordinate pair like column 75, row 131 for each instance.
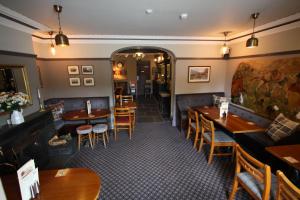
column 198, row 74
column 88, row 82
column 73, row 69
column 74, row 81
column 87, row 69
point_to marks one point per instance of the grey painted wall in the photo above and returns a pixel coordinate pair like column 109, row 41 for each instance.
column 55, row 79
column 30, row 65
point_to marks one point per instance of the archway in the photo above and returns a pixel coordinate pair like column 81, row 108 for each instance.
column 149, row 51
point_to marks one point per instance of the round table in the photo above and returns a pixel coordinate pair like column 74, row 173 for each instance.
column 82, row 115
column 73, row 184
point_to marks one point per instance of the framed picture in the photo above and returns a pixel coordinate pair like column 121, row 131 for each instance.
column 74, row 81
column 73, row 69
column 88, row 82
column 198, row 74
column 87, row 69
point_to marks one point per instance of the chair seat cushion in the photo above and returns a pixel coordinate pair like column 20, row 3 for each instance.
column 84, row 129
column 122, row 119
column 100, row 128
column 255, row 186
column 220, row 136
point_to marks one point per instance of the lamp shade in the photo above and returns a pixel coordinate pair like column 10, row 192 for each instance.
column 61, row 39
column 252, row 42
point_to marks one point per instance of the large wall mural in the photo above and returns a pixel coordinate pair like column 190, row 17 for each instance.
column 269, row 87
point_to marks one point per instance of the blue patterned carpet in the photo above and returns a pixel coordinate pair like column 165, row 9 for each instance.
column 158, row 163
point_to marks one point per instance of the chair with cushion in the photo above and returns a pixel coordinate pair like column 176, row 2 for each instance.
column 83, row 132
column 126, row 99
column 254, row 176
column 286, row 190
column 100, row 129
column 193, row 125
column 122, row 120
column 215, row 139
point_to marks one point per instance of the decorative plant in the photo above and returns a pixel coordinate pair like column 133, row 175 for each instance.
column 12, row 101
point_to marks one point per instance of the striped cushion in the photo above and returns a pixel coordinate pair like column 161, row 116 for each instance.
column 257, row 187
column 220, row 136
column 281, row 127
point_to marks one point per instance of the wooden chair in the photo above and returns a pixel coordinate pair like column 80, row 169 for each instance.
column 286, row 190
column 127, row 99
column 214, row 139
column 193, row 124
column 253, row 175
column 122, row 120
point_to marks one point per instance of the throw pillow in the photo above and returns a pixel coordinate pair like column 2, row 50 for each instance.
column 281, row 127
column 57, row 110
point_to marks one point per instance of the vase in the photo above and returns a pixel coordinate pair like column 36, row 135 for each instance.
column 17, row 117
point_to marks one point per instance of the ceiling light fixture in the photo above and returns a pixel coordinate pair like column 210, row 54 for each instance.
column 183, row 16
column 253, row 41
column 139, row 55
column 149, row 11
column 60, row 38
column 52, row 48
column 225, row 50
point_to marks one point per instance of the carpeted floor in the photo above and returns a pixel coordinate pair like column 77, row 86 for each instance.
column 158, row 163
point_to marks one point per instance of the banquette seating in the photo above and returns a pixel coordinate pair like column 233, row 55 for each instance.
column 61, row 105
column 185, row 101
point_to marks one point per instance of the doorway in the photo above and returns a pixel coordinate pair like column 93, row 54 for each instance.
column 141, row 66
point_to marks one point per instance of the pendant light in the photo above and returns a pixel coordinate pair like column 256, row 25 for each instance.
column 60, row 38
column 225, row 50
column 52, row 48
column 139, row 55
column 253, row 41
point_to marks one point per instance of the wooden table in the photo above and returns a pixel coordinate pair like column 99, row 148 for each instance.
column 131, row 105
column 82, row 115
column 233, row 123
column 77, row 184
column 285, row 152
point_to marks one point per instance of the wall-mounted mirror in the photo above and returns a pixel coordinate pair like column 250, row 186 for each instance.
column 14, row 78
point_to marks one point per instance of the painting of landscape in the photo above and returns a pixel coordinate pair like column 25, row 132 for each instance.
column 269, row 87
column 198, row 74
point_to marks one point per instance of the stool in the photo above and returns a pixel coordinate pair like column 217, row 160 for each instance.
column 84, row 131
column 100, row 128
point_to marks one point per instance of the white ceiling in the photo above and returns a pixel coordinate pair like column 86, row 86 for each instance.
column 120, row 17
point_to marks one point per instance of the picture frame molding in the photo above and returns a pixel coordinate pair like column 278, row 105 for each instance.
column 74, row 67
column 87, row 66
column 74, row 85
column 207, row 80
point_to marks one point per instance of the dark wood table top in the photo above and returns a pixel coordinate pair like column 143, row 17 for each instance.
column 131, row 105
column 82, row 114
column 287, row 153
column 233, row 123
column 76, row 184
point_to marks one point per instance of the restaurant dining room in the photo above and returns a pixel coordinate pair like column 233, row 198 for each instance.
column 142, row 100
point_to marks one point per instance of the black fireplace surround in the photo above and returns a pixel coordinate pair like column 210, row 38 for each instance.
column 29, row 140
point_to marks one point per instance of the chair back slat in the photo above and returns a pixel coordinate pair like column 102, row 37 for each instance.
column 122, row 112
column 286, row 190
column 207, row 126
column 126, row 98
column 258, row 170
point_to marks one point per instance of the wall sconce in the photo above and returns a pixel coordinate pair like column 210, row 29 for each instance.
column 253, row 41
column 52, row 48
column 225, row 50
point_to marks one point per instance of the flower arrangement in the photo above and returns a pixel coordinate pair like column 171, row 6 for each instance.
column 12, row 101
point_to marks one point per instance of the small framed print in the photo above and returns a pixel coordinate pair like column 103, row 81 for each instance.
column 73, row 69
column 74, row 81
column 87, row 69
column 88, row 82
column 198, row 74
